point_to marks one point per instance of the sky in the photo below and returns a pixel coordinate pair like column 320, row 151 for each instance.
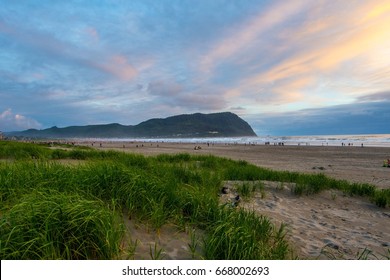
column 297, row 67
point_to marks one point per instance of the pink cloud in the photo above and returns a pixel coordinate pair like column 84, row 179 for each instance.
column 336, row 47
column 118, row 66
column 92, row 33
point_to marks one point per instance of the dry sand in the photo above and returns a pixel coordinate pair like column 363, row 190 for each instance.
column 169, row 243
column 325, row 225
column 322, row 226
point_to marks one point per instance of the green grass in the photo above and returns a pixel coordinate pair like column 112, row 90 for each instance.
column 244, row 235
column 51, row 210
column 54, row 225
column 246, row 189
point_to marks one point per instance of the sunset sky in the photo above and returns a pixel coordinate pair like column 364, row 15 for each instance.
column 287, row 67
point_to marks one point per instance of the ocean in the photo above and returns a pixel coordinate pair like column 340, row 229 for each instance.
column 371, row 140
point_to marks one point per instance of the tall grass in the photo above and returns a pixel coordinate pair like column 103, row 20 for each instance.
column 12, row 150
column 54, row 225
column 244, row 235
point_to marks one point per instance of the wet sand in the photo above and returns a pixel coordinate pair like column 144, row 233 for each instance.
column 321, row 226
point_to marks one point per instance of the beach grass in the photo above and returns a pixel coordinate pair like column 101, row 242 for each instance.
column 52, row 210
column 245, row 235
column 55, row 225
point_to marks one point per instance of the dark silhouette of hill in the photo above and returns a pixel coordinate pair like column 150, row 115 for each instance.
column 182, row 126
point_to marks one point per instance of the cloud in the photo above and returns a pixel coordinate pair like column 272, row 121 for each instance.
column 164, row 89
column 341, row 39
column 205, row 101
column 119, row 66
column 246, row 33
column 375, row 97
column 238, row 108
column 92, row 33
column 377, row 9
column 53, row 50
column 12, row 122
column 175, row 95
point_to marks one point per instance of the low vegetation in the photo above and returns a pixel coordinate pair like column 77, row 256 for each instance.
column 53, row 210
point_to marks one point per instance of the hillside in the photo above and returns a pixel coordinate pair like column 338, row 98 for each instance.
column 181, row 126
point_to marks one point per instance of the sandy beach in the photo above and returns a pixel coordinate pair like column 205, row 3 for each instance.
column 322, row 226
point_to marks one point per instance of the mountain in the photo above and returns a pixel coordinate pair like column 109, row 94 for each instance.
column 182, row 126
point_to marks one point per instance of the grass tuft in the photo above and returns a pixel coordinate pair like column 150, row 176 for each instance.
column 53, row 225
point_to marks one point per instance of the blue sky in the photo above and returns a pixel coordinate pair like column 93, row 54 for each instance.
column 287, row 67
